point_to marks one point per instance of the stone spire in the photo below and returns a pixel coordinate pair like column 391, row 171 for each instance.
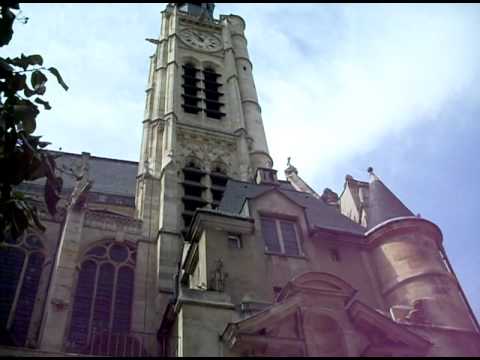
column 382, row 203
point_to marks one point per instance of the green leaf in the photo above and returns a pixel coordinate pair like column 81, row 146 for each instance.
column 38, row 79
column 5, row 68
column 25, row 114
column 12, row 4
column 36, row 169
column 45, row 104
column 24, row 61
column 17, row 82
column 28, row 92
column 40, row 90
column 56, row 73
column 34, row 59
column 6, row 26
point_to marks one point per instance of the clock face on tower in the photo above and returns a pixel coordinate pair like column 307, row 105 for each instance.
column 200, row 40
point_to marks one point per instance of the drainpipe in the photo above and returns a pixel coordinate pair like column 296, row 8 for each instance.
column 54, row 258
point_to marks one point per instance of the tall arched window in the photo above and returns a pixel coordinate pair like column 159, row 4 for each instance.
column 103, row 297
column 21, row 262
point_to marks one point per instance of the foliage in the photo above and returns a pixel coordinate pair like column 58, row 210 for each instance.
column 22, row 86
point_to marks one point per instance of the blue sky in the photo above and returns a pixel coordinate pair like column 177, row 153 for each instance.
column 342, row 87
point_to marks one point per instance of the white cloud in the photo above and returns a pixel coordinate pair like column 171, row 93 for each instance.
column 332, row 80
column 382, row 70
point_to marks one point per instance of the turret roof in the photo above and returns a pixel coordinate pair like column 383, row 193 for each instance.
column 382, row 203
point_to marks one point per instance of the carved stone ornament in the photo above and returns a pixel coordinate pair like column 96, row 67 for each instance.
column 219, row 277
column 207, row 149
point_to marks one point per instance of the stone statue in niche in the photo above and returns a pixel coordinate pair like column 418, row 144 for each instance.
column 82, row 182
column 219, row 277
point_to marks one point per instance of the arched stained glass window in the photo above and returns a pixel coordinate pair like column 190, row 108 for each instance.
column 21, row 262
column 103, row 299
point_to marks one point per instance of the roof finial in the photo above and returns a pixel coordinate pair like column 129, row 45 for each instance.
column 290, row 168
column 373, row 177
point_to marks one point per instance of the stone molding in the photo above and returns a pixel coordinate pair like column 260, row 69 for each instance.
column 107, row 220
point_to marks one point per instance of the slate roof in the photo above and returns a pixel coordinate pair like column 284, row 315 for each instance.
column 110, row 176
column 318, row 213
column 383, row 204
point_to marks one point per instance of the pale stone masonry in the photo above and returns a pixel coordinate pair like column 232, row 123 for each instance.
column 199, row 249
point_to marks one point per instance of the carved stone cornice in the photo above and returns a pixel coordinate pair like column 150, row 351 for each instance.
column 108, row 220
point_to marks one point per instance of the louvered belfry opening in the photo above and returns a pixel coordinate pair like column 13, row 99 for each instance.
column 212, row 94
column 190, row 89
column 218, row 179
column 193, row 190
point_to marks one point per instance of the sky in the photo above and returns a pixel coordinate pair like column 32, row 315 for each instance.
column 342, row 88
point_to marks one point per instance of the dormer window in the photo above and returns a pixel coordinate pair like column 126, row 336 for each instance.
column 280, row 236
column 266, row 176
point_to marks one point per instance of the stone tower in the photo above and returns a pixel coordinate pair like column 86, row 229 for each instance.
column 202, row 126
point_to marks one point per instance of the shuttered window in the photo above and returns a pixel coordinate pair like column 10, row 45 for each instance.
column 280, row 236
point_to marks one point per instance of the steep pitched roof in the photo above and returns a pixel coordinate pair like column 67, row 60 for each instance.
column 318, row 213
column 110, row 176
column 382, row 203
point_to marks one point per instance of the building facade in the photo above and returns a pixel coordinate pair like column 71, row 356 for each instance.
column 199, row 249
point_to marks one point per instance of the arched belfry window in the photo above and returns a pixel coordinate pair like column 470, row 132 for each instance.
column 218, row 181
column 207, row 97
column 103, row 297
column 21, row 263
column 190, row 89
column 212, row 94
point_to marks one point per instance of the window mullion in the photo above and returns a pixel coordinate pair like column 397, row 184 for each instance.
column 92, row 309
column 280, row 236
column 297, row 239
column 114, row 295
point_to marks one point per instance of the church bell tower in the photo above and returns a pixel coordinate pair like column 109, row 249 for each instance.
column 202, row 126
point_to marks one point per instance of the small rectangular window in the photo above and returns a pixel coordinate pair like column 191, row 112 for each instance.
column 334, row 255
column 234, row 241
column 276, row 291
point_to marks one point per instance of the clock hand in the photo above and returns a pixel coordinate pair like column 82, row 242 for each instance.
column 199, row 37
